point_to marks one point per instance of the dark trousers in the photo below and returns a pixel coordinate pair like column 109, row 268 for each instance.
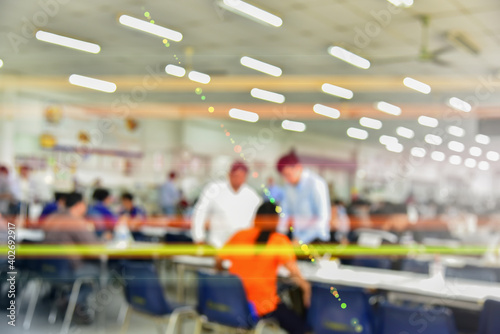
column 288, row 320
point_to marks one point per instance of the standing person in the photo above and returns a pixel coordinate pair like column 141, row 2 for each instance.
column 306, row 202
column 169, row 195
column 6, row 193
column 228, row 205
column 273, row 191
column 259, row 272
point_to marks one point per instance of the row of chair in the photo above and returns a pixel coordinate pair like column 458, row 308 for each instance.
column 222, row 302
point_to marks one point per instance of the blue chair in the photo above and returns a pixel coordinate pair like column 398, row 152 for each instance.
column 325, row 316
column 415, row 266
column 59, row 273
column 401, row 319
column 472, row 273
column 489, row 322
column 223, row 302
column 372, row 262
column 145, row 296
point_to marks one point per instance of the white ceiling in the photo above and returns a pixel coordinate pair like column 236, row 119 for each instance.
column 219, row 38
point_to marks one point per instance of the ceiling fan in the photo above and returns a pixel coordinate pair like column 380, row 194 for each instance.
column 425, row 55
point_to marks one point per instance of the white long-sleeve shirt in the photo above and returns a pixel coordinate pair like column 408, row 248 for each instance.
column 226, row 210
column 308, row 205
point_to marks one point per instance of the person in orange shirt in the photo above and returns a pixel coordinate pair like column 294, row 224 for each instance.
column 258, row 272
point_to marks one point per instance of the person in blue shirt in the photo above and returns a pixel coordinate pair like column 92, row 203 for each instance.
column 128, row 207
column 100, row 213
column 273, row 191
column 169, row 195
column 306, row 204
column 53, row 207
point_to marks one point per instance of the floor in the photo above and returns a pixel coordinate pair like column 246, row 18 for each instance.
column 110, row 307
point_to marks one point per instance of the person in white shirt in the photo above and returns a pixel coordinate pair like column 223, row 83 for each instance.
column 228, row 205
column 306, row 202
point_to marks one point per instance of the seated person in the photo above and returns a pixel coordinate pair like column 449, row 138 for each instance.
column 53, row 207
column 99, row 213
column 258, row 273
column 135, row 214
column 69, row 227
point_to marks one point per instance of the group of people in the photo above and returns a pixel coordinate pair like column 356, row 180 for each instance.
column 223, row 216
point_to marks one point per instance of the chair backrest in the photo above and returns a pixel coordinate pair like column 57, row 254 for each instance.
column 472, row 273
column 56, row 270
column 372, row 262
column 326, row 315
column 489, row 322
column 143, row 290
column 401, row 319
column 222, row 299
column 415, row 266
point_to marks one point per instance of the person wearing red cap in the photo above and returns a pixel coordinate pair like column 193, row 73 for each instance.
column 229, row 206
column 306, row 202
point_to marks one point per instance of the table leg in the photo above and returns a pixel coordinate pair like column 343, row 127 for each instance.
column 181, row 269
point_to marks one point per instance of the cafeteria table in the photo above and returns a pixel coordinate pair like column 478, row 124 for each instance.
column 398, row 284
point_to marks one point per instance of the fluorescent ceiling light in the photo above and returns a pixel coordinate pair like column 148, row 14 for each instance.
column 405, row 132
column 456, row 146
column 455, row 160
column 387, row 140
column 483, row 165
column 261, row 66
column 357, row 133
column 175, row 70
column 395, row 147
column 438, row 156
column 349, row 57
column 475, row 151
column 482, row 139
column 151, row 28
column 267, row 95
column 428, row 121
column 458, row 104
column 492, row 156
column 67, row 42
column 433, row 139
column 243, row 115
column 471, row 163
column 1, row 63
column 370, row 123
column 87, row 82
column 388, row 108
column 337, row 91
column 326, row 111
column 252, row 12
column 417, row 85
column 418, row 152
column 293, row 126
column 199, row 77
column 456, row 131
column 401, row 3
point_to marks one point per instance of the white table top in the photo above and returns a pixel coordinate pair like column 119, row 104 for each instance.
column 30, row 234
column 329, row 272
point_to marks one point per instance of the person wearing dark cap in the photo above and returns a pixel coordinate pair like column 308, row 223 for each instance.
column 53, row 207
column 229, row 205
column 306, row 203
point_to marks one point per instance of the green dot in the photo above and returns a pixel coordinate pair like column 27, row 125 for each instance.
column 272, row 200
column 146, row 14
column 203, row 97
column 152, row 21
column 343, row 305
column 198, row 91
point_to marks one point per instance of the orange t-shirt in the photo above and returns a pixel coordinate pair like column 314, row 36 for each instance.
column 258, row 272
